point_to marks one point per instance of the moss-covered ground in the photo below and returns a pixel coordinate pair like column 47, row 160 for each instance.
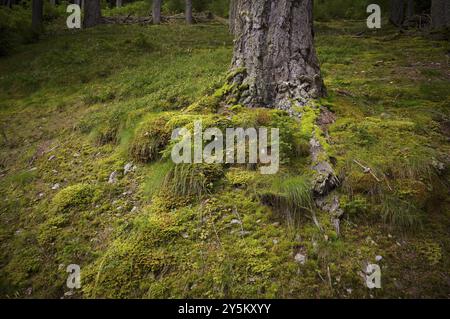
column 77, row 106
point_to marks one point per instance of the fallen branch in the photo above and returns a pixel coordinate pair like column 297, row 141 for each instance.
column 367, row 170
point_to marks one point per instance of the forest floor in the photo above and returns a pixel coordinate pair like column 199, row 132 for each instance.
column 79, row 105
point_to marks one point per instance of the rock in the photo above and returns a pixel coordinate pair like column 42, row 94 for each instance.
column 56, row 186
column 129, row 167
column 378, row 258
column 235, row 222
column 300, row 258
column 52, row 157
column 29, row 291
column 134, row 209
column 185, row 235
column 76, row 154
column 275, row 241
column 244, row 233
column 112, row 178
column 68, row 293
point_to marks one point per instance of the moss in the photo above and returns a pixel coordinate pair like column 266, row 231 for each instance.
column 241, row 178
column 431, row 251
column 150, row 139
column 74, row 196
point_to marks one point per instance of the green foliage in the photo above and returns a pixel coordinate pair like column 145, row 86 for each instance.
column 150, row 139
column 344, row 9
column 75, row 196
column 148, row 235
column 290, row 195
column 193, row 179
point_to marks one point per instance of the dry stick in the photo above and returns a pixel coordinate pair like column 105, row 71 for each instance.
column 329, row 276
column 367, row 170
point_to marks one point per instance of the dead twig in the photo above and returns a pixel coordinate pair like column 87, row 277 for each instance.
column 367, row 170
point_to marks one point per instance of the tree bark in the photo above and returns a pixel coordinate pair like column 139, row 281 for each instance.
column 274, row 45
column 36, row 15
column 397, row 16
column 118, row 3
column 188, row 12
column 440, row 14
column 410, row 9
column 156, row 12
column 232, row 15
column 92, row 13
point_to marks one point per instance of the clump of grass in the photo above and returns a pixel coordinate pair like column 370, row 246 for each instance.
column 400, row 214
column 151, row 138
column 193, row 179
column 290, row 196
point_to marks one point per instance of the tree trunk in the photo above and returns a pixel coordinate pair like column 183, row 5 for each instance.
column 440, row 14
column 274, row 45
column 92, row 13
column 36, row 15
column 232, row 15
column 53, row 2
column 410, row 9
column 189, row 12
column 156, row 12
column 118, row 3
column 397, row 12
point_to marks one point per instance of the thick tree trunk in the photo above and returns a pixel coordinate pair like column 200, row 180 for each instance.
column 274, row 45
column 397, row 12
column 36, row 15
column 232, row 15
column 188, row 12
column 156, row 12
column 92, row 13
column 440, row 14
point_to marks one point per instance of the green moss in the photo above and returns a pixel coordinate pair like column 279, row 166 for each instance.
column 74, row 196
column 150, row 139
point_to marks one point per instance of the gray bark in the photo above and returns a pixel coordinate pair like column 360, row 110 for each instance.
column 397, row 9
column 440, row 14
column 36, row 15
column 118, row 3
column 232, row 15
column 92, row 13
column 188, row 12
column 274, row 45
column 156, row 12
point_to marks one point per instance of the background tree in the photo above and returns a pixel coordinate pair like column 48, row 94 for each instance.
column 188, row 12
column 410, row 9
column 118, row 3
column 37, row 14
column 92, row 13
column 274, row 44
column 156, row 11
column 397, row 12
column 440, row 14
